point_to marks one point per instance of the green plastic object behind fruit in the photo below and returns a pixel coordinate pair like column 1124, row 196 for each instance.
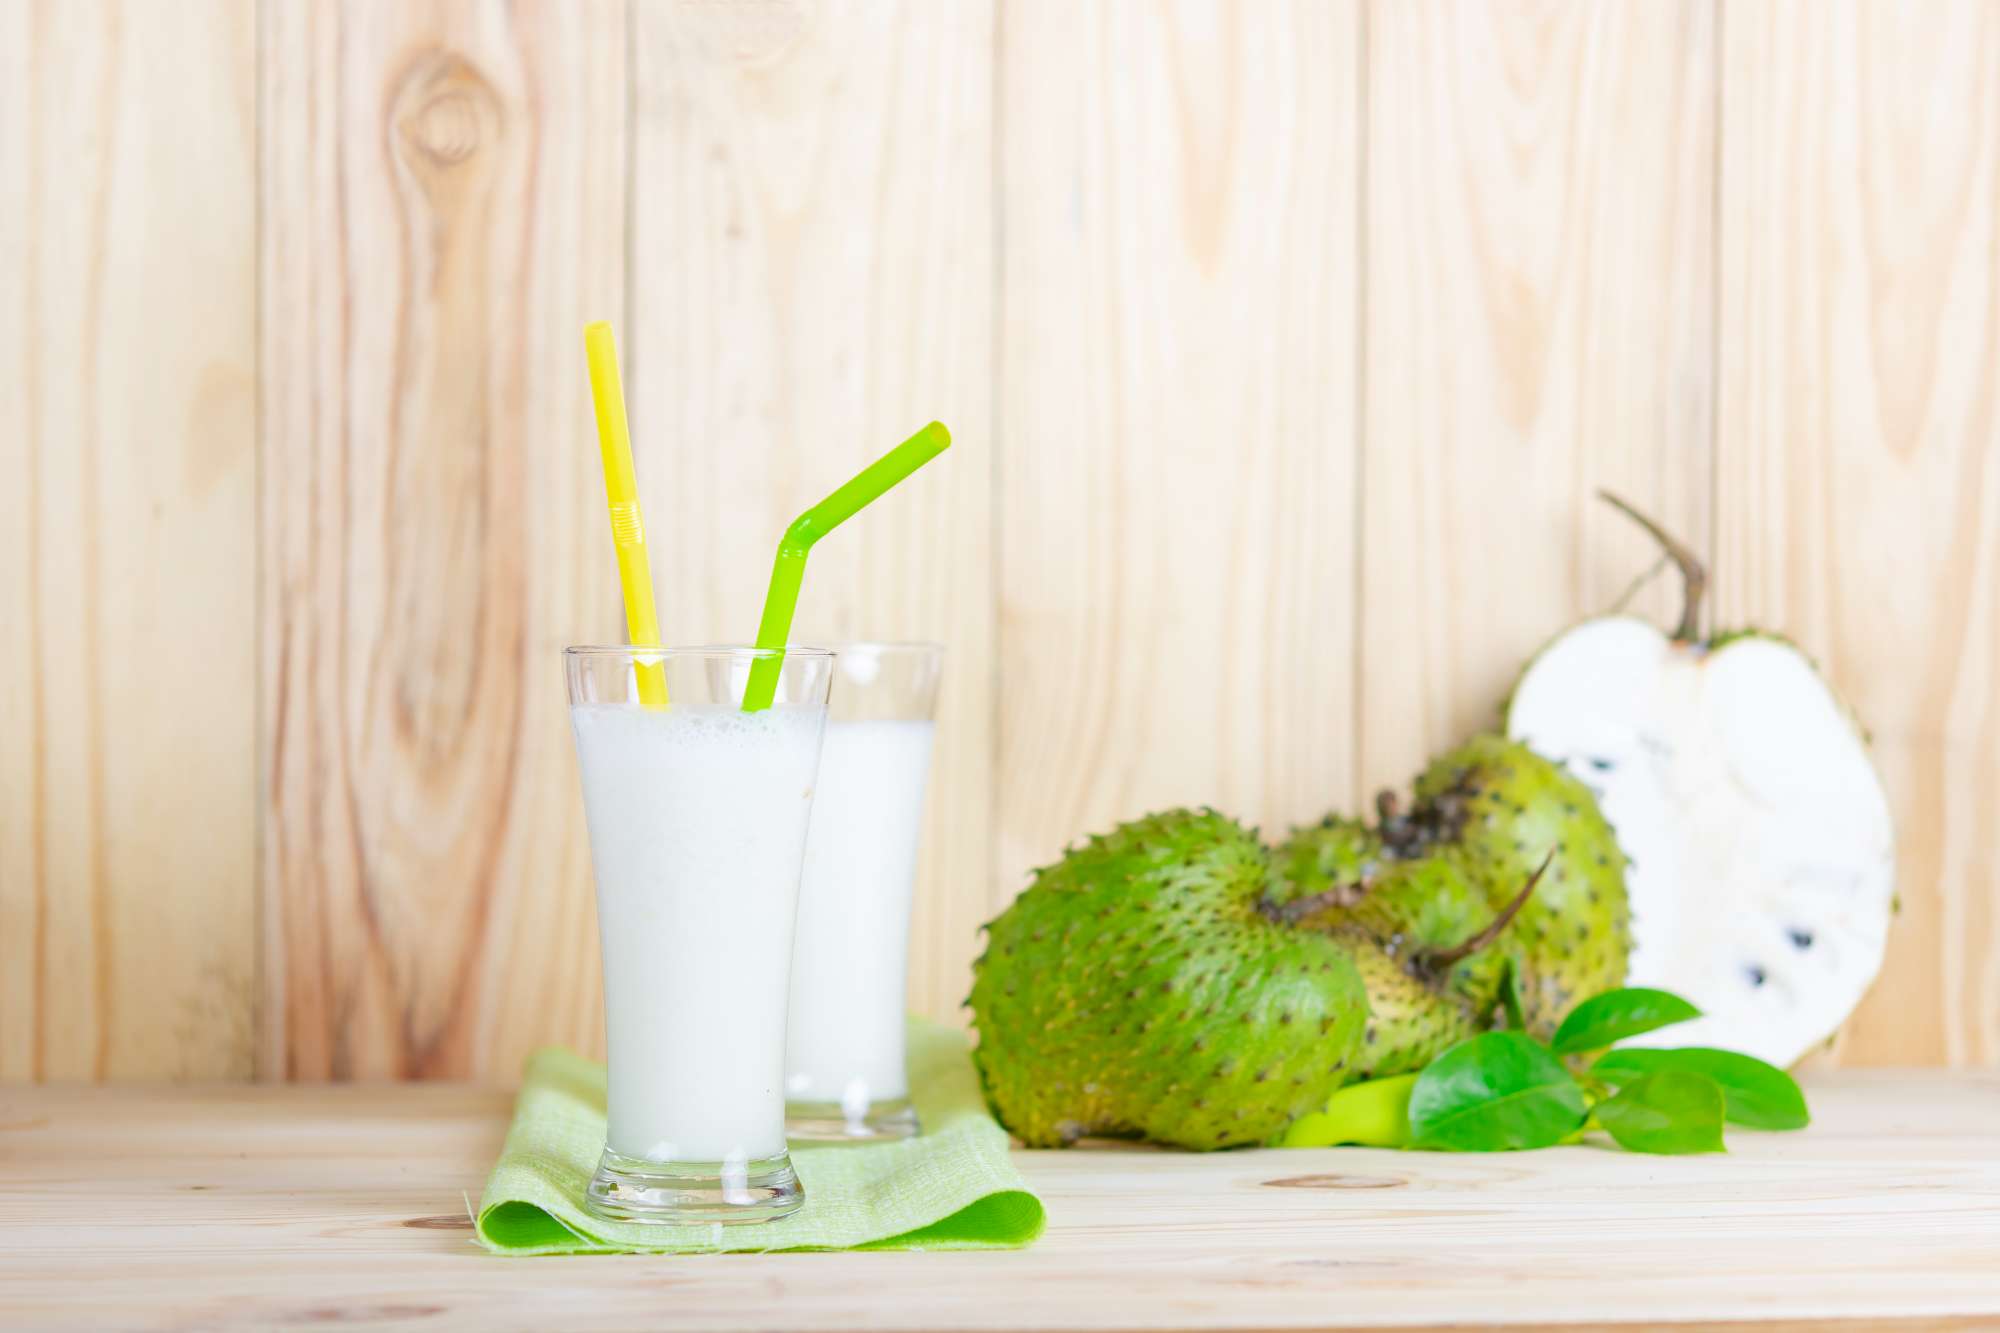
column 1375, row 1114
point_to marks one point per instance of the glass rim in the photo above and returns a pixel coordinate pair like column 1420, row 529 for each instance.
column 885, row 646
column 731, row 651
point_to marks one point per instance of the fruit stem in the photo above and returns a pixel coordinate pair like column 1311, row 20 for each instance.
column 1298, row 909
column 1694, row 575
column 1444, row 958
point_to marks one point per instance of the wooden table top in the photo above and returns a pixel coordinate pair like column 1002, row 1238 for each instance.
column 259, row 1207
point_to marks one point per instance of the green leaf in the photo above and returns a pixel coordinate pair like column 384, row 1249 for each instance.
column 1756, row 1094
column 1618, row 1014
column 1510, row 996
column 1495, row 1092
column 1672, row 1111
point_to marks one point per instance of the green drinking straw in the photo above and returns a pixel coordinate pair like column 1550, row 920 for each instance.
column 789, row 570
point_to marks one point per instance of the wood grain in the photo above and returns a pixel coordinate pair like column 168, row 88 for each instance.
column 1859, row 475
column 127, row 539
column 1179, row 288
column 811, row 282
column 1283, row 344
column 443, row 193
column 1539, row 273
column 270, row 1207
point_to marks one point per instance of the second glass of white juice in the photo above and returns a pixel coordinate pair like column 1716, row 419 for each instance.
column 845, row 1080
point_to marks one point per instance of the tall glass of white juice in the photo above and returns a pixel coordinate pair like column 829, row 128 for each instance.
column 698, row 813
column 844, row 1075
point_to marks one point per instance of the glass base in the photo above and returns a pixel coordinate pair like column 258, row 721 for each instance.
column 822, row 1123
column 631, row 1189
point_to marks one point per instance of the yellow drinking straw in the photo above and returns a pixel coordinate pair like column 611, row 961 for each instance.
column 621, row 493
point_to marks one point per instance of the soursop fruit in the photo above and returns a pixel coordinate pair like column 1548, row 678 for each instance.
column 1507, row 813
column 1763, row 850
column 1168, row 980
column 1140, row 986
column 1407, row 923
column 1334, row 852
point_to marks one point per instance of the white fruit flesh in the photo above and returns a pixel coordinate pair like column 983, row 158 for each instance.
column 1763, row 856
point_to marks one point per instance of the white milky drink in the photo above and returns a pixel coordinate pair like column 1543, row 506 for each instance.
column 850, row 958
column 697, row 816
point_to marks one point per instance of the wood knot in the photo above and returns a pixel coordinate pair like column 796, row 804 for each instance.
column 1332, row 1181
column 389, row 1312
column 445, row 112
column 441, row 1222
column 447, row 128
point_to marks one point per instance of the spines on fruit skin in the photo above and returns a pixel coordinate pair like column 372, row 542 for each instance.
column 1135, row 988
column 1505, row 808
column 1317, row 857
column 1397, row 918
column 1174, row 980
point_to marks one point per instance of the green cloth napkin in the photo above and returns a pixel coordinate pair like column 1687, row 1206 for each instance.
column 950, row 1188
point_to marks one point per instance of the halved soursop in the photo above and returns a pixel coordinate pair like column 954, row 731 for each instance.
column 1762, row 874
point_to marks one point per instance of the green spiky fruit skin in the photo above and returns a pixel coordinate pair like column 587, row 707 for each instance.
column 1414, row 909
column 1136, row 989
column 1335, row 851
column 1407, row 909
column 1504, row 808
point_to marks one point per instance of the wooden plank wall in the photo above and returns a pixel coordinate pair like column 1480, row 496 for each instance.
column 1540, row 283
column 1858, row 445
column 444, row 208
column 1284, row 344
column 128, row 539
column 1178, row 290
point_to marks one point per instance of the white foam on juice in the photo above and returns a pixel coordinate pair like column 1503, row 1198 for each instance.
column 698, row 817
